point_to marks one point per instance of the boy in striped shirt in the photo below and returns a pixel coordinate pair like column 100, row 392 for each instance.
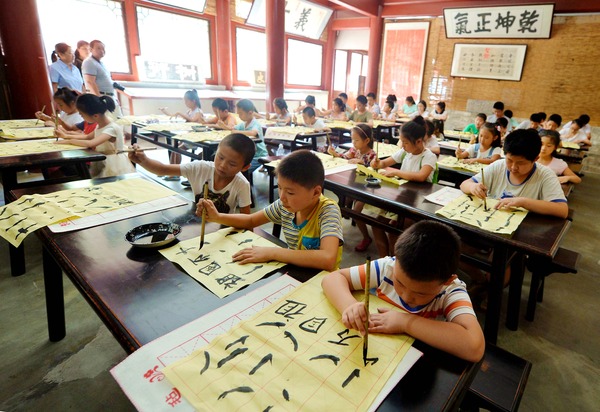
column 311, row 222
column 419, row 284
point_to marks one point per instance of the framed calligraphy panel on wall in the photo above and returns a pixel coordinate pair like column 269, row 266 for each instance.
column 489, row 61
column 531, row 21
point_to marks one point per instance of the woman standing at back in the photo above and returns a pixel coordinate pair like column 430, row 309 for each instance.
column 63, row 73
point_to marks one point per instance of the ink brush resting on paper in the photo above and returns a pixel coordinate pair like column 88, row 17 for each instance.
column 483, row 183
column 205, row 196
column 367, row 283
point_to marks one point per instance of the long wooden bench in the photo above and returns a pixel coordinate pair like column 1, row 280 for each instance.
column 565, row 261
column 499, row 383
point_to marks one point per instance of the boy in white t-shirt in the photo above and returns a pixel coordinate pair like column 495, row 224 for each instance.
column 227, row 187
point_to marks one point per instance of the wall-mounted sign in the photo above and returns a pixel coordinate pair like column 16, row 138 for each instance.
column 532, row 21
column 301, row 17
column 489, row 61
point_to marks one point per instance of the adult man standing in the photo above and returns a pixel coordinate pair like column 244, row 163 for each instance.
column 97, row 77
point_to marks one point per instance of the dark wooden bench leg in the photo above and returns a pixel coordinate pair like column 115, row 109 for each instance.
column 533, row 294
column 517, row 272
column 17, row 259
column 55, row 302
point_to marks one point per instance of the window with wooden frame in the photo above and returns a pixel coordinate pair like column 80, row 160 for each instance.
column 250, row 54
column 304, row 63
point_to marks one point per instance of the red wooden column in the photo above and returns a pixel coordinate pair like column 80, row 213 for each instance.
column 26, row 67
column 224, row 46
column 275, row 31
column 375, row 39
column 328, row 60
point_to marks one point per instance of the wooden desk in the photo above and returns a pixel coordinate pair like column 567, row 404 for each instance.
column 11, row 165
column 537, row 235
column 141, row 296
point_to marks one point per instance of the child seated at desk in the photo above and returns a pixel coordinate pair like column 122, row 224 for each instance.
column 409, row 106
column 434, row 305
column 518, row 181
column 488, row 149
column 192, row 102
column 586, row 128
column 575, row 133
column 475, row 127
column 550, row 142
column 251, row 128
column 553, row 122
column 338, row 110
column 430, row 141
column 386, row 112
column 421, row 110
column 361, row 114
column 282, row 115
column 107, row 138
column 418, row 164
column 310, row 120
column 361, row 153
column 69, row 117
column 228, row 189
column 534, row 122
column 223, row 119
column 311, row 222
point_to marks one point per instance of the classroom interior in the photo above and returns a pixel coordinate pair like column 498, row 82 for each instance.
column 348, row 55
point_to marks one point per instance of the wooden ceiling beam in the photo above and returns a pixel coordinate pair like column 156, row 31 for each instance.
column 369, row 8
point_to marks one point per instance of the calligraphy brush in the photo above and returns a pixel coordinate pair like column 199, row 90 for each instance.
column 43, row 108
column 205, row 196
column 367, row 282
column 483, row 183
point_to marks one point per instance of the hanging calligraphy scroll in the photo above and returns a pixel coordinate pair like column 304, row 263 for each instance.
column 531, row 21
column 489, row 61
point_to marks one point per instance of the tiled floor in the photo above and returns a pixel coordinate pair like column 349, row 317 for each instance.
column 73, row 374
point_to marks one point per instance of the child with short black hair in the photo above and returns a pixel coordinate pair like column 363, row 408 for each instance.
column 498, row 111
column 372, row 105
column 535, row 122
column 251, row 128
column 512, row 121
column 107, row 138
column 223, row 118
column 553, row 122
column 517, row 181
column 228, row 189
column 474, row 128
column 551, row 142
column 361, row 114
column 310, row 120
column 488, row 149
column 386, row 111
column 436, row 308
column 311, row 222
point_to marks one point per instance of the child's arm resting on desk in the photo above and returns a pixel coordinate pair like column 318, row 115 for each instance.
column 337, row 286
column 543, row 207
column 461, row 337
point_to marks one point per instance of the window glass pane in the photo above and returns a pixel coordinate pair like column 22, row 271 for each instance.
column 304, row 63
column 365, row 65
column 251, row 53
column 194, row 5
column 242, row 8
column 355, row 69
column 180, row 53
column 64, row 21
column 339, row 71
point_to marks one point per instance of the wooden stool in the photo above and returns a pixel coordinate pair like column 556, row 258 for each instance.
column 565, row 261
column 499, row 383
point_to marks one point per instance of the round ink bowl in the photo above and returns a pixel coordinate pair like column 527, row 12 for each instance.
column 372, row 181
column 153, row 235
column 200, row 128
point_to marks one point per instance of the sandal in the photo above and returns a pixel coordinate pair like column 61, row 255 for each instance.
column 362, row 246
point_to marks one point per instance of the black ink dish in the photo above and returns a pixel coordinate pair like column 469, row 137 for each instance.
column 153, row 235
column 373, row 181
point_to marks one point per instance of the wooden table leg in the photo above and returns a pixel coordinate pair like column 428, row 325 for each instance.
column 55, row 303
column 517, row 269
column 492, row 315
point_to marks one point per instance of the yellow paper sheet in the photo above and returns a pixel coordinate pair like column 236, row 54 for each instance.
column 470, row 210
column 453, row 133
column 453, row 162
column 210, row 136
column 170, row 127
column 31, row 147
column 385, row 149
column 294, row 355
column 147, row 119
column 383, row 123
column 20, row 124
column 22, row 217
column 329, row 162
column 212, row 265
column 24, row 134
column 369, row 171
column 338, row 124
column 570, row 145
column 454, row 143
